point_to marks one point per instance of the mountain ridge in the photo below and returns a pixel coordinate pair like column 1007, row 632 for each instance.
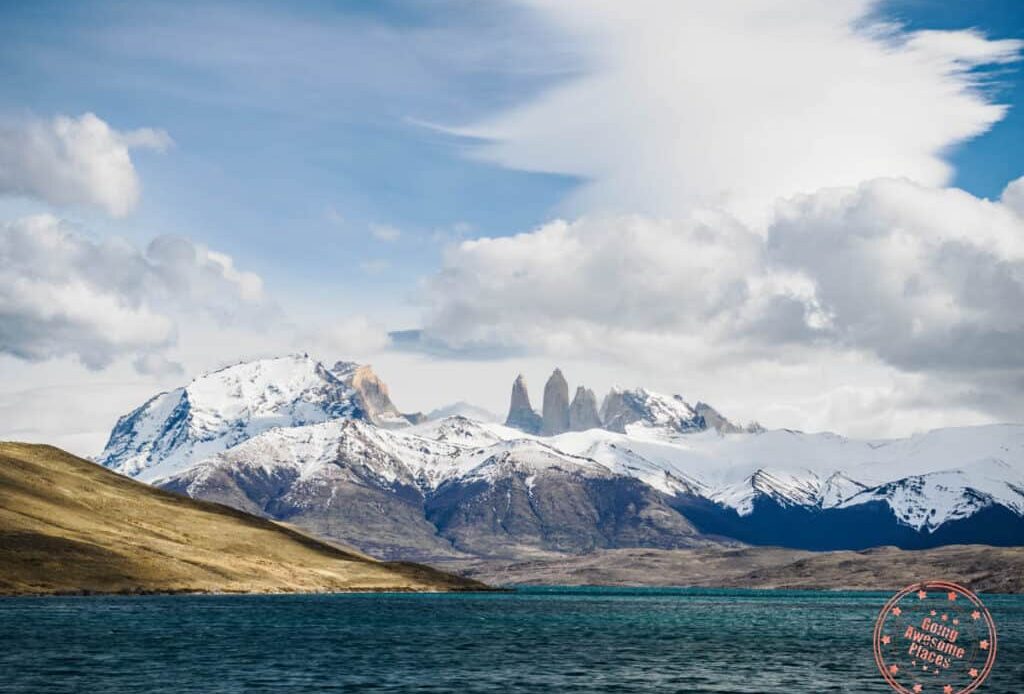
column 685, row 474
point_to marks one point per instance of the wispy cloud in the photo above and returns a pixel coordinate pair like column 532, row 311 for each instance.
column 736, row 104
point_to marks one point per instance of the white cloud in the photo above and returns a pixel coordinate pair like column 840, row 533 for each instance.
column 567, row 279
column 891, row 287
column 1013, row 196
column 385, row 232
column 925, row 278
column 75, row 161
column 734, row 104
column 64, row 294
column 352, row 338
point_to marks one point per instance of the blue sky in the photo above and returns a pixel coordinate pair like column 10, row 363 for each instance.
column 288, row 118
column 987, row 163
column 331, row 161
column 272, row 148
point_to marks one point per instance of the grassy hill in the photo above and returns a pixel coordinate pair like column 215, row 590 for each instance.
column 69, row 525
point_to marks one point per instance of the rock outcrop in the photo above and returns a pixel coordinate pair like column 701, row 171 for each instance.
column 624, row 407
column 714, row 419
column 583, row 411
column 373, row 394
column 520, row 414
column 556, row 405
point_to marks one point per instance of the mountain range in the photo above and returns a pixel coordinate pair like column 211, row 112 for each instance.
column 326, row 450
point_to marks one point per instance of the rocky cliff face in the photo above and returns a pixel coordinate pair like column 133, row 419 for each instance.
column 520, row 414
column 583, row 411
column 556, row 405
column 624, row 407
column 372, row 393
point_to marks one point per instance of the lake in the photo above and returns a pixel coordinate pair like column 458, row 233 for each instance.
column 537, row 640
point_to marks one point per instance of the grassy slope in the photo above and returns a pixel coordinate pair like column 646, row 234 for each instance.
column 68, row 525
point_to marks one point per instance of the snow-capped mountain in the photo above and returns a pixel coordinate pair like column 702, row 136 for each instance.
column 462, row 409
column 622, row 408
column 293, row 440
column 226, row 407
column 928, row 501
column 438, row 490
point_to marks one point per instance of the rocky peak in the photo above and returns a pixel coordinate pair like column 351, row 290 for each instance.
column 624, row 407
column 583, row 410
column 556, row 405
column 373, row 394
column 222, row 408
column 520, row 413
column 713, row 419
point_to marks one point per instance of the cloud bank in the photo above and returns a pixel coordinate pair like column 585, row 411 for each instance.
column 915, row 279
column 65, row 294
column 734, row 104
column 75, row 161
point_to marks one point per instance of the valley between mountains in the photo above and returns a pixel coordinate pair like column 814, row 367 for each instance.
column 325, row 449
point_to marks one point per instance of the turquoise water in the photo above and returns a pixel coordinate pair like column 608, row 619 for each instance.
column 541, row 640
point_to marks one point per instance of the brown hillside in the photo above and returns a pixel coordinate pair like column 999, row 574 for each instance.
column 69, row 525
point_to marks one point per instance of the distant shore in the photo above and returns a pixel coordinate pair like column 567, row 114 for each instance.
column 982, row 568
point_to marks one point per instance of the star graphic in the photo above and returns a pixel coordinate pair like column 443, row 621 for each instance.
column 897, row 611
column 983, row 645
column 975, row 615
column 933, row 613
column 894, row 668
column 921, row 595
column 924, row 667
column 945, row 618
column 956, row 621
column 886, row 640
column 917, row 689
column 947, row 689
column 952, row 596
column 973, row 672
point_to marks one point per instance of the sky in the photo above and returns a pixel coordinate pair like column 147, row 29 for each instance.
column 807, row 214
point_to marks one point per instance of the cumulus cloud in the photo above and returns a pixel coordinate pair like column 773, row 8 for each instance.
column 65, row 294
column 734, row 104
column 75, row 161
column 925, row 278
column 635, row 274
column 915, row 279
column 1013, row 196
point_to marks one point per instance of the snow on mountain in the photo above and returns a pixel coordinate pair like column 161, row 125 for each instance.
column 526, row 457
column 623, row 408
column 292, row 416
column 463, row 409
column 307, row 451
column 223, row 408
column 785, row 488
column 466, row 432
column 424, row 456
column 926, row 502
column 616, row 453
column 821, row 471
